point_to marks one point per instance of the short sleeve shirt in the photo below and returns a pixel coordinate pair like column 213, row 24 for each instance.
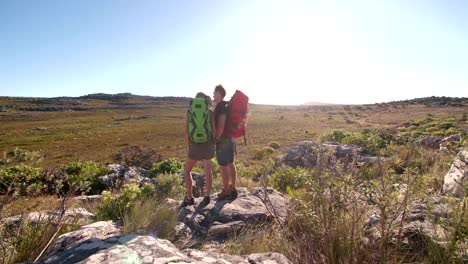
column 221, row 108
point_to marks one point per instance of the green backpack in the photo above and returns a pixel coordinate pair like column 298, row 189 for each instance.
column 199, row 121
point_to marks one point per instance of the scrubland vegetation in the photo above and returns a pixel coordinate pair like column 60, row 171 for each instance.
column 48, row 157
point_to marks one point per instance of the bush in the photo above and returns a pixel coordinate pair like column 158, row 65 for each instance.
column 263, row 152
column 335, row 135
column 21, row 180
column 274, row 145
column 150, row 217
column 83, row 177
column 371, row 139
column 168, row 166
column 286, row 177
column 169, row 186
column 20, row 156
column 136, row 156
column 114, row 207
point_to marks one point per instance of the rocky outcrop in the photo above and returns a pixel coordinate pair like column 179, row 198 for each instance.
column 307, row 153
column 455, row 181
column 102, row 243
column 437, row 142
column 220, row 219
column 431, row 142
column 121, row 175
column 420, row 226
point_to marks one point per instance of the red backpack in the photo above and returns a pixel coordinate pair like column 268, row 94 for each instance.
column 237, row 116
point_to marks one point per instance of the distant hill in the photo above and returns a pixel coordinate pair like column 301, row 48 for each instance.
column 317, row 103
column 86, row 102
column 434, row 101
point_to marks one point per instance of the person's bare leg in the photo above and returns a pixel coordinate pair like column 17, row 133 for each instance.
column 189, row 164
column 232, row 174
column 224, row 177
column 208, row 168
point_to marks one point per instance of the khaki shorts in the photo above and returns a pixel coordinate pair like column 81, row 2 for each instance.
column 225, row 151
column 201, row 151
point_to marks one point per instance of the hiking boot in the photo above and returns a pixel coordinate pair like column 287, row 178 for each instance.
column 187, row 201
column 233, row 193
column 224, row 195
column 206, row 200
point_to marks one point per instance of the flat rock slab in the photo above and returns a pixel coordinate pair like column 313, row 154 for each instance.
column 98, row 243
column 220, row 218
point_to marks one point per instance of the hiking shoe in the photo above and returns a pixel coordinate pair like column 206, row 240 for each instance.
column 224, row 195
column 187, row 201
column 206, row 200
column 233, row 193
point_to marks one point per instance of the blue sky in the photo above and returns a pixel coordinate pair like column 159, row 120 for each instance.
column 277, row 52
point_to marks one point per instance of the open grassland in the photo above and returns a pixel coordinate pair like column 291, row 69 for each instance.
column 101, row 127
column 72, row 137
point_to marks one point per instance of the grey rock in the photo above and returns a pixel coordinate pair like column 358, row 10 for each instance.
column 421, row 224
column 432, row 142
column 307, row 153
column 220, row 218
column 121, row 175
column 88, row 198
column 213, row 257
column 93, row 233
column 451, row 138
column 455, row 181
column 100, row 243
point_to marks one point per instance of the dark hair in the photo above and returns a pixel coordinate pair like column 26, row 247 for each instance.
column 203, row 95
column 200, row 95
column 220, row 88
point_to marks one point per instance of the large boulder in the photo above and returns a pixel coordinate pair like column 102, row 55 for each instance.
column 221, row 218
column 101, row 243
column 455, row 181
column 307, row 153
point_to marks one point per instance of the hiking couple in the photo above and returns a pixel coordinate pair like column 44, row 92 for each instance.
column 206, row 135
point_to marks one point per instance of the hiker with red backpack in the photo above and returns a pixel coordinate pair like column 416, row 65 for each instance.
column 200, row 135
column 230, row 122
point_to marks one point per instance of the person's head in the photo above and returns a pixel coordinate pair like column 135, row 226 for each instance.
column 219, row 93
column 203, row 95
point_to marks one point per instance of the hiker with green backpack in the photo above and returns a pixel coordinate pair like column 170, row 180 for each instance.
column 200, row 134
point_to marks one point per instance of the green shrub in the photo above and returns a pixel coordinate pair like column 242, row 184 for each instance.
column 286, row 177
column 22, row 180
column 167, row 166
column 263, row 152
column 169, row 186
column 150, row 216
column 20, row 156
column 274, row 145
column 371, row 139
column 114, row 207
column 335, row 135
column 83, row 177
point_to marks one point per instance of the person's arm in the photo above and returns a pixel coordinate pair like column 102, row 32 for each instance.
column 220, row 127
column 187, row 137
column 213, row 130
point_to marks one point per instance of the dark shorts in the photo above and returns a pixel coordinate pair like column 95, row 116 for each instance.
column 201, row 151
column 225, row 150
